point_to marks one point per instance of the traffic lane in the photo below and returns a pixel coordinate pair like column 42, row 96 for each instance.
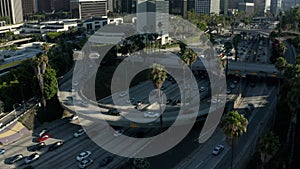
column 252, row 128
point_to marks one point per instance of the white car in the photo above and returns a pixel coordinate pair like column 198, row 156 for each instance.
column 74, row 117
column 86, row 162
column 218, row 149
column 75, row 83
column 122, row 94
column 2, row 151
column 202, row 89
column 83, row 155
column 80, row 132
column 118, row 132
column 32, row 158
column 215, row 100
column 151, row 114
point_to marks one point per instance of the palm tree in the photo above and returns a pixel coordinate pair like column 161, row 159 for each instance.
column 189, row 57
column 268, row 147
column 234, row 125
column 158, row 76
column 282, row 49
column 39, row 64
column 280, row 65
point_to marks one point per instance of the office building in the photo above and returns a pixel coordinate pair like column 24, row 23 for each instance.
column 153, row 17
column 207, row 6
column 86, row 9
column 224, row 7
column 288, row 4
column 61, row 5
column 247, row 7
column 46, row 6
column 178, row 7
column 276, row 6
column 29, row 7
column 11, row 9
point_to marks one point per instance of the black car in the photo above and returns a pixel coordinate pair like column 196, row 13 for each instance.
column 169, row 101
column 106, row 161
column 55, row 145
column 28, row 167
column 39, row 146
column 43, row 132
column 14, row 159
column 113, row 112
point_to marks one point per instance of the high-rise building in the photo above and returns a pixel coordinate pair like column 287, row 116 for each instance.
column 259, row 7
column 223, row 7
column 153, row 17
column 178, row 7
column 207, row 6
column 86, row 9
column 288, row 4
column 276, row 6
column 247, row 7
column 45, row 5
column 29, row 7
column 128, row 6
column 12, row 9
column 61, row 5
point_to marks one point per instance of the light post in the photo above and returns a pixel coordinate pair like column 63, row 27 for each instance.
column 14, row 106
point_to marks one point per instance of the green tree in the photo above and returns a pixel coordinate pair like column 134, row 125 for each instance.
column 273, row 35
column 280, row 63
column 281, row 49
column 268, row 147
column 50, row 83
column 234, row 125
column 158, row 76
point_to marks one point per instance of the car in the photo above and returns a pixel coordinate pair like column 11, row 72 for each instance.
column 169, row 101
column 43, row 132
column 215, row 100
column 112, row 112
column 83, row 155
column 86, row 162
column 72, row 90
column 118, row 132
column 2, row 151
column 75, row 83
column 228, row 91
column 151, row 114
column 244, row 113
column 43, row 138
column 176, row 102
column 80, row 132
column 235, row 81
column 15, row 158
column 39, row 146
column 28, row 167
column 162, row 87
column 250, row 107
column 131, row 100
column 74, row 117
column 202, row 89
column 105, row 161
column 218, row 149
column 122, row 94
column 55, row 145
column 31, row 158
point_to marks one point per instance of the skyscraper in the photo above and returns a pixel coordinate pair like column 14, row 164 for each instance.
column 29, row 7
column 12, row 9
column 85, row 9
column 45, row 5
column 275, row 6
column 207, row 6
column 153, row 17
column 178, row 7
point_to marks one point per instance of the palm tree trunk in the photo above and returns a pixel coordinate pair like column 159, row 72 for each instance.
column 161, row 116
column 232, row 152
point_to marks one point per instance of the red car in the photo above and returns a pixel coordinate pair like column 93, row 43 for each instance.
column 45, row 137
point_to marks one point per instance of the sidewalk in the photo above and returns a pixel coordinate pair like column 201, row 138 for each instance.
column 12, row 133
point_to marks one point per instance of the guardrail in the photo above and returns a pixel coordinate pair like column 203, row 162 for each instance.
column 3, row 127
